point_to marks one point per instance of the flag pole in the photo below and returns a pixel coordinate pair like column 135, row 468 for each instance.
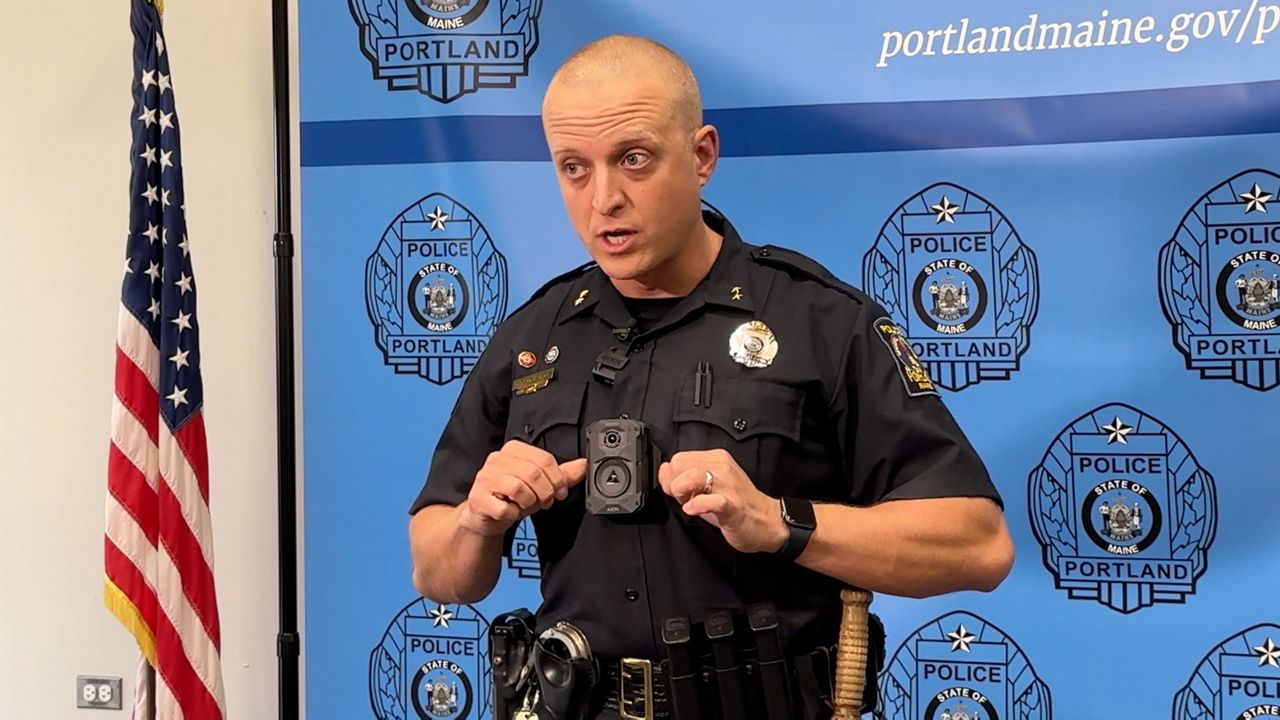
column 288, row 641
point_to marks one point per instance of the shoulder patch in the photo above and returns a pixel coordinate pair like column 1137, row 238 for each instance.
column 914, row 375
column 562, row 278
column 791, row 261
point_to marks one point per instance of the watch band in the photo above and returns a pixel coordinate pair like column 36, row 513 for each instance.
column 797, row 514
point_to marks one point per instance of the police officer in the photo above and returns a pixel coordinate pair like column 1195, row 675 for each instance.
column 803, row 448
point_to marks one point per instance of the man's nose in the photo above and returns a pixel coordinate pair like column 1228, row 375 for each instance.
column 607, row 197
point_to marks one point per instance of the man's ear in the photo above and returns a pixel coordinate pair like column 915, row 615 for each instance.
column 706, row 152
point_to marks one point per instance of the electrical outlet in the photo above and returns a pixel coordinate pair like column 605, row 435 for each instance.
column 99, row 693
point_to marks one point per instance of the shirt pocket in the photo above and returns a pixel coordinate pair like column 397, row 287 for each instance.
column 757, row 421
column 550, row 419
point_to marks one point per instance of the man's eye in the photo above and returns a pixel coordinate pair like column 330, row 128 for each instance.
column 572, row 169
column 633, row 159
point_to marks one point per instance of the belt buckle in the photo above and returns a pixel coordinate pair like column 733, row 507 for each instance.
column 637, row 670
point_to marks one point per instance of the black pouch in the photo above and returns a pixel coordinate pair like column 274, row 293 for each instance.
column 565, row 672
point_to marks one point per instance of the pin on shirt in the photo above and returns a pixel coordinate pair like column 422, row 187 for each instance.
column 753, row 344
column 581, row 296
column 527, row 359
column 553, row 354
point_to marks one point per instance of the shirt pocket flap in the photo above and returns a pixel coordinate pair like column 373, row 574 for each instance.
column 533, row 415
column 745, row 408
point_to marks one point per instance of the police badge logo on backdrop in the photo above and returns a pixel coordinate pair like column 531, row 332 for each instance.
column 435, row 289
column 523, row 558
column 1220, row 282
column 953, row 272
column 961, row 667
column 448, row 48
column 1124, row 513
column 1238, row 680
column 432, row 664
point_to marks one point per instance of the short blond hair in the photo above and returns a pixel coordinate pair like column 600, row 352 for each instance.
column 617, row 55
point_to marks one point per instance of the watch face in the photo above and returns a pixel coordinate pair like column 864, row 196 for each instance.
column 798, row 512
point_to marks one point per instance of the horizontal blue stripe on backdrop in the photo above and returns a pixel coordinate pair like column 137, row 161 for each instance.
column 1238, row 109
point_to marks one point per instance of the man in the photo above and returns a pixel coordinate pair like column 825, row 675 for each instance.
column 758, row 373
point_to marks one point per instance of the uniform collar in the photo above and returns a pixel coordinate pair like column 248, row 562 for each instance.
column 729, row 284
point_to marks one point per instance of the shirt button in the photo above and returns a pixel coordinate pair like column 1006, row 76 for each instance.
column 764, row 252
column 528, row 429
column 632, row 594
column 740, row 424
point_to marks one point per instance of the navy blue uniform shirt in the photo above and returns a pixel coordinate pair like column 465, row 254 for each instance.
column 838, row 416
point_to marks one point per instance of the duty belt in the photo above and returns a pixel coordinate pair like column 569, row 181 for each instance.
column 639, row 688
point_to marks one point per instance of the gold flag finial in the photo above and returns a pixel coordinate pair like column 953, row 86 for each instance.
column 159, row 5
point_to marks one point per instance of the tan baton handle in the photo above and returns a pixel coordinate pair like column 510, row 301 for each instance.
column 851, row 655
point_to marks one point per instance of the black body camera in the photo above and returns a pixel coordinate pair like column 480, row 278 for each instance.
column 622, row 466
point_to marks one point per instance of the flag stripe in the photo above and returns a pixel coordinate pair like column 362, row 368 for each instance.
column 136, row 393
column 136, row 344
column 191, row 441
column 165, row 699
column 129, row 438
column 179, row 478
column 196, row 577
column 129, row 487
column 199, row 650
column 189, row 688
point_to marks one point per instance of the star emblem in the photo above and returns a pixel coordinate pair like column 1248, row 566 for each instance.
column 166, row 159
column 153, row 271
column 155, row 308
column 183, row 321
column 164, row 198
column 960, row 639
column 178, row 396
column 152, row 232
column 180, row 359
column 441, row 616
column 184, row 283
column 148, row 78
column 166, row 121
column 163, row 83
column 945, row 210
column 736, row 293
column 148, row 116
column 150, row 154
column 1117, row 431
column 159, row 43
column 1255, row 200
column 152, row 193
column 1268, row 654
column 438, row 218
column 183, row 245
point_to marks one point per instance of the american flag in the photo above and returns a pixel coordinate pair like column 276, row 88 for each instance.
column 159, row 537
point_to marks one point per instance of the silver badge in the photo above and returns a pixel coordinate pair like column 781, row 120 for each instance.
column 753, row 345
column 552, row 355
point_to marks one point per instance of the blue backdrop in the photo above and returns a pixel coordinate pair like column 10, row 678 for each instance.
column 1070, row 208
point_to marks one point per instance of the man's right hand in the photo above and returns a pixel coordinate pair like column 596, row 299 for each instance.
column 515, row 482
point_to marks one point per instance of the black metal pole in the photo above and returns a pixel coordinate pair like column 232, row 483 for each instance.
column 288, row 642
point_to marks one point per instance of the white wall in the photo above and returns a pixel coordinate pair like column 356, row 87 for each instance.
column 65, row 72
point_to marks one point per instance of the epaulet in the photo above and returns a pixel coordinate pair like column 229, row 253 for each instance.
column 573, row 274
column 793, row 262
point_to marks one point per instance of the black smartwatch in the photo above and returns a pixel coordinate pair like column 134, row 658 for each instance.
column 798, row 515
